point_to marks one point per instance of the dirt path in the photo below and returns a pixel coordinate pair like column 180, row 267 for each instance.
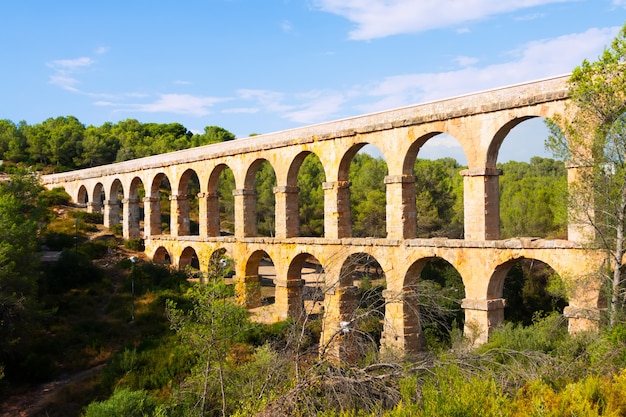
column 34, row 402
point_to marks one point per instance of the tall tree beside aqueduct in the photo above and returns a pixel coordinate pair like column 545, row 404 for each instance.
column 591, row 136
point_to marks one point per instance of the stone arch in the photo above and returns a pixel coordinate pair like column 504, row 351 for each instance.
column 259, row 210
column 162, row 256
column 98, row 198
column 498, row 138
column 159, row 204
column 260, row 276
column 132, row 212
column 189, row 260
column 186, row 210
column 113, row 204
column 82, row 197
column 221, row 265
column 310, row 222
column 353, row 315
column 374, row 225
column 305, row 286
column 423, row 183
column 220, row 209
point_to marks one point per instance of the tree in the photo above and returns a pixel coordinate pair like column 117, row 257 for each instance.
column 591, row 135
column 208, row 325
column 213, row 134
column 19, row 213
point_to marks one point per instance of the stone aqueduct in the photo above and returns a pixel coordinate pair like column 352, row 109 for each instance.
column 478, row 121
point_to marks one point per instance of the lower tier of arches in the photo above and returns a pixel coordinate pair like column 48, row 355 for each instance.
column 338, row 267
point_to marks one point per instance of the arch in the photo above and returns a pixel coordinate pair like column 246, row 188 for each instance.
column 189, row 260
column 500, row 135
column 430, row 303
column 515, row 274
column 365, row 177
column 260, row 271
column 82, row 197
column 113, row 205
column 187, row 206
column 162, row 256
column 160, row 205
column 220, row 264
column 220, row 204
column 307, row 269
column 98, row 197
column 133, row 213
column 262, row 201
column 310, row 193
column 116, row 190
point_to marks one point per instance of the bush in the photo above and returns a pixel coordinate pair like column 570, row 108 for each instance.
column 71, row 270
column 124, row 403
column 134, row 244
column 55, row 197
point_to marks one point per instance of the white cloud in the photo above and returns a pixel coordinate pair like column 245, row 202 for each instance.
column 304, row 108
column 535, row 60
column 64, row 70
column 619, row 3
column 317, row 106
column 466, row 61
column 180, row 104
column 381, row 18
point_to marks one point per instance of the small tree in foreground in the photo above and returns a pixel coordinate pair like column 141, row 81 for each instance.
column 591, row 136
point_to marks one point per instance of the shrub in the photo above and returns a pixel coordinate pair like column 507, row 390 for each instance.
column 134, row 244
column 55, row 197
column 124, row 403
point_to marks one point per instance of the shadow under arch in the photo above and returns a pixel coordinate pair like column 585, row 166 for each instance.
column 307, row 273
column 188, row 261
column 162, row 257
column 82, row 197
column 260, row 281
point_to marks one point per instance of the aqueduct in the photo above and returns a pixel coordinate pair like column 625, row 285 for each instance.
column 478, row 121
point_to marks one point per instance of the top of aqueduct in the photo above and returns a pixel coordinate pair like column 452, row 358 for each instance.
column 498, row 99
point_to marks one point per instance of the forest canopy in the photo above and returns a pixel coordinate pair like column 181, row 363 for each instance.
column 65, row 144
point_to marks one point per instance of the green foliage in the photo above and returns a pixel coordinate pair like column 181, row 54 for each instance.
column 311, row 196
column 124, row 403
column 368, row 196
column 71, row 270
column 543, row 335
column 527, row 291
column 591, row 135
column 265, row 182
column 134, row 244
column 439, row 198
column 532, row 198
column 54, row 197
column 451, row 394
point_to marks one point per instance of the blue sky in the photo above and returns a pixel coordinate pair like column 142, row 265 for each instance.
column 260, row 66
